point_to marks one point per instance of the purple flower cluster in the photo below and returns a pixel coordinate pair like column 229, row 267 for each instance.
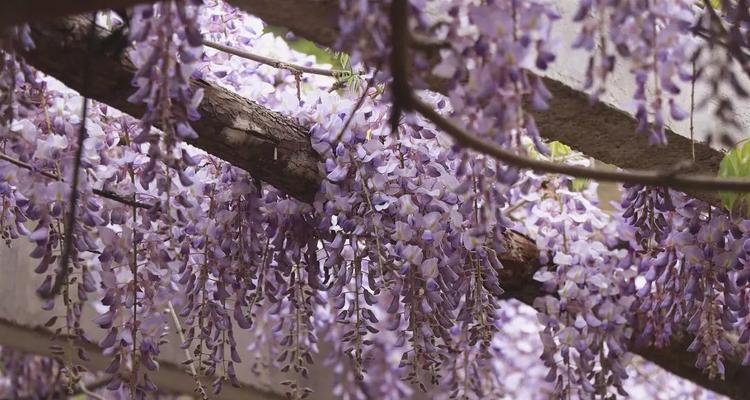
column 585, row 325
column 14, row 74
column 655, row 38
column 647, row 209
column 168, row 43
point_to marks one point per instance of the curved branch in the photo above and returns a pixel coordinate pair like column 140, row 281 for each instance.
column 667, row 178
column 405, row 96
column 273, row 62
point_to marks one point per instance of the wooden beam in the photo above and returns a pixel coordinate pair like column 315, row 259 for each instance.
column 170, row 377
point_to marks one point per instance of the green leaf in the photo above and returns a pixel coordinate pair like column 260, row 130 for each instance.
column 736, row 164
column 715, row 4
column 558, row 153
column 559, row 150
column 579, row 184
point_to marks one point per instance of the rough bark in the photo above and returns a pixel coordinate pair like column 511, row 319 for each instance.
column 14, row 12
column 608, row 134
column 247, row 135
column 272, row 147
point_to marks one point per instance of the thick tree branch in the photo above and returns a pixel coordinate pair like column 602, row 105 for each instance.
column 14, row 12
column 273, row 148
column 246, row 134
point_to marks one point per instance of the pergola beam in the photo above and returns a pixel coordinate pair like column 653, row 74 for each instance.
column 170, row 378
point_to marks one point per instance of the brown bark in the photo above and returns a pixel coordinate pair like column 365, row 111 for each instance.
column 247, row 135
column 272, row 147
column 14, row 12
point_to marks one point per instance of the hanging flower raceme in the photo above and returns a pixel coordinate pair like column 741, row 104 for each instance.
column 411, row 249
column 585, row 332
column 647, row 208
column 655, row 38
column 168, row 43
column 14, row 75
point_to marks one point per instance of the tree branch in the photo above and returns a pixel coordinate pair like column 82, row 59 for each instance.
column 13, row 12
column 273, row 62
column 272, row 147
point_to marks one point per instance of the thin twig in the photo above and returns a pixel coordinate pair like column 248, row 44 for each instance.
column 692, row 112
column 178, row 326
column 275, row 63
column 665, row 178
column 515, row 207
column 70, row 221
